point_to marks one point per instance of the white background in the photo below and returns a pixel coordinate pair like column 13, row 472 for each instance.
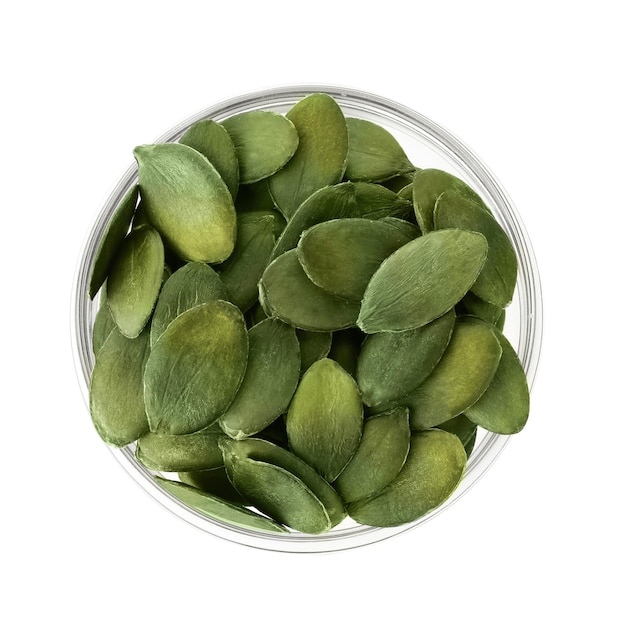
column 535, row 89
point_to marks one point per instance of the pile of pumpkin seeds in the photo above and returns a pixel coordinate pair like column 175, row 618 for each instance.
column 298, row 325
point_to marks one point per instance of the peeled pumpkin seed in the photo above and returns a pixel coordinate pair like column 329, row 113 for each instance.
column 103, row 323
column 135, row 279
column 219, row 509
column 265, row 451
column 213, row 141
column 422, row 280
column 341, row 255
column 195, row 368
column 345, row 348
column 392, row 365
column 496, row 282
column 432, row 471
column 464, row 429
column 408, row 229
column 264, row 141
column 194, row 283
column 320, row 158
column 214, row 481
column 471, row 304
column 379, row 458
column 187, row 201
column 120, row 417
column 325, row 418
column 271, row 377
column 286, row 292
column 114, row 233
column 374, row 154
column 313, row 347
column 462, row 375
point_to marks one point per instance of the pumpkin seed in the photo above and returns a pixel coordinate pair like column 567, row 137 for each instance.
column 471, row 304
column 379, row 458
column 286, row 292
column 464, row 429
column 374, row 154
column 135, row 280
column 496, row 282
column 103, row 323
column 187, row 201
column 264, row 141
column 214, row 481
column 345, row 348
column 325, row 418
column 432, row 471
column 341, row 255
column 114, row 233
column 120, row 417
column 320, row 158
column 392, row 365
column 270, row 380
column 219, row 509
column 462, row 375
column 214, row 142
column 254, row 197
column 194, row 283
column 195, row 368
column 408, row 229
column 313, row 347
column 422, row 280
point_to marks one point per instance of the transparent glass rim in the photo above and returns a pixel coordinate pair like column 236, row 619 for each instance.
column 474, row 170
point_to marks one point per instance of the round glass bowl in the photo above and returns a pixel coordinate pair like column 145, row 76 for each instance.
column 427, row 145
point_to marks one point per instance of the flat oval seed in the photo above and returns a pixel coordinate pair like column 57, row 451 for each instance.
column 422, row 280
column 496, row 281
column 218, row 508
column 392, row 365
column 213, row 141
column 320, row 159
column 116, row 389
column 180, row 453
column 341, row 255
column 214, row 481
column 264, row 141
column 114, row 234
column 286, row 292
column 270, row 380
column 325, row 418
column 462, row 375
column 102, row 325
column 433, row 469
column 505, row 405
column 313, row 347
column 374, row 154
column 135, row 280
column 192, row 284
column 345, row 348
column 196, row 367
column 464, row 429
column 379, row 457
column 471, row 304
column 187, row 201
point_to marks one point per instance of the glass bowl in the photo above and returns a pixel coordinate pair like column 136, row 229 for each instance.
column 427, row 145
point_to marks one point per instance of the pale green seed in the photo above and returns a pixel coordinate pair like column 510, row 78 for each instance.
column 103, row 323
column 325, row 418
column 195, row 368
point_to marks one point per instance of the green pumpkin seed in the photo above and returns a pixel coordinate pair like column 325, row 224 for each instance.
column 218, row 508
column 505, row 405
column 408, row 229
column 496, row 282
column 194, row 283
column 187, row 201
column 264, row 141
column 270, row 380
column 213, row 141
column 180, row 453
column 254, row 197
column 471, row 304
column 402, row 182
column 320, row 159
column 114, row 233
column 257, row 232
column 135, row 280
column 103, row 323
column 462, row 375
column 325, row 418
column 374, row 154
column 116, row 389
column 267, row 452
column 341, row 255
column 313, row 347
column 286, row 292
column 432, row 471
column 422, row 280
column 464, row 429
column 195, row 368
column 214, row 481
column 392, row 365
column 278, row 493
column 345, row 349
column 428, row 184
column 379, row 457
